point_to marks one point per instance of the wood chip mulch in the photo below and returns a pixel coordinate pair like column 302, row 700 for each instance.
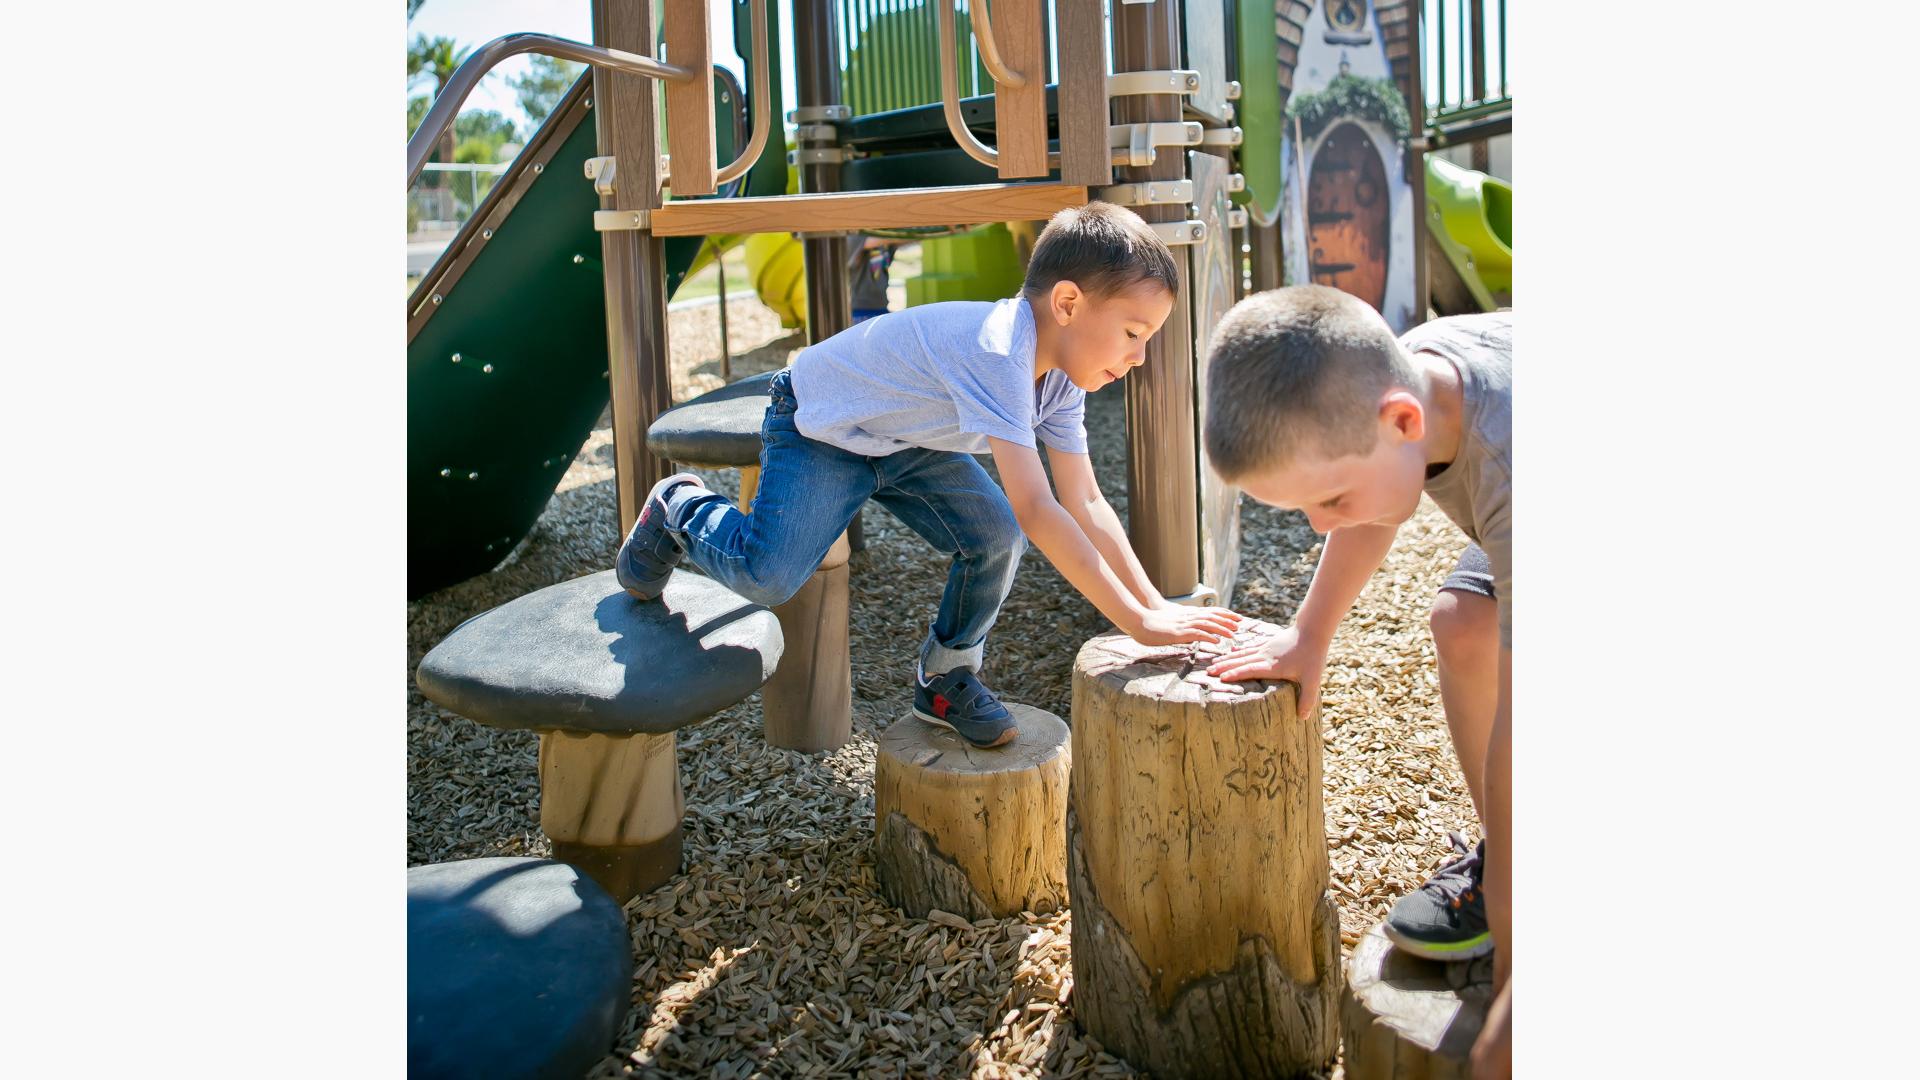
column 773, row 953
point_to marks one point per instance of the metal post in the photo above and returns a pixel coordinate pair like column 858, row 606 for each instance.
column 1265, row 240
column 1417, row 157
column 1482, row 160
column 726, row 346
column 624, row 108
column 1163, row 458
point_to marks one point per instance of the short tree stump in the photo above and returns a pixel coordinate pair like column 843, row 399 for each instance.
column 979, row 833
column 1405, row 1018
column 1204, row 942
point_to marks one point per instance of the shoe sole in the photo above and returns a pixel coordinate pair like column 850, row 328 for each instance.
column 1006, row 737
column 1470, row 949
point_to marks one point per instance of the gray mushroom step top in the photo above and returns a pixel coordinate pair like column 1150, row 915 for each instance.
column 718, row 428
column 583, row 656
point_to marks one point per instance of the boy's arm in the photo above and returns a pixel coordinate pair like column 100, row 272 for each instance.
column 1299, row 653
column 1060, row 539
column 1080, row 496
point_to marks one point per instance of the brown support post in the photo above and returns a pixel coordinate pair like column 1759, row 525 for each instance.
column 1417, row 158
column 1085, row 157
column 1476, row 48
column 690, row 151
column 1266, row 256
column 635, row 259
column 1020, row 112
column 1163, row 464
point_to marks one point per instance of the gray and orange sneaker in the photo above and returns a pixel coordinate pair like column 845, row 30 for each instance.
column 1446, row 919
column 960, row 701
column 650, row 552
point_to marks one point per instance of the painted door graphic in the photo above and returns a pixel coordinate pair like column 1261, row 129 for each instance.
column 1347, row 215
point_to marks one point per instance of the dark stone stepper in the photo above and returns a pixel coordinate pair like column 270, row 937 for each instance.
column 583, row 656
column 720, row 427
column 516, row 967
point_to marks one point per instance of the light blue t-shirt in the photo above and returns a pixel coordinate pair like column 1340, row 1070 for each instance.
column 938, row 376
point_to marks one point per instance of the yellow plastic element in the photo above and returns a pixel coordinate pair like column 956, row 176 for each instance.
column 779, row 275
column 1471, row 214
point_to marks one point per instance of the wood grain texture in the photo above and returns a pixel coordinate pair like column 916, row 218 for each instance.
column 1404, row 1018
column 980, row 833
column 690, row 146
column 1204, row 942
column 1085, row 157
column 808, row 704
column 612, row 806
column 853, row 211
column 1020, row 112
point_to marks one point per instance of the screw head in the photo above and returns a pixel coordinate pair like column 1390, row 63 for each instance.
column 436, row 298
column 547, row 464
column 486, row 369
column 446, row 472
column 486, row 234
column 473, row 476
column 539, row 168
column 578, row 259
column 456, row 358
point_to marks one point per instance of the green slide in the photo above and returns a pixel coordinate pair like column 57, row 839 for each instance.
column 507, row 347
column 1470, row 226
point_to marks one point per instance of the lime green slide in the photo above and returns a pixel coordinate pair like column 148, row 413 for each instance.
column 1470, row 228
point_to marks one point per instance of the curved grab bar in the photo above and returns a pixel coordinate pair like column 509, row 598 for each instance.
column 990, row 49
column 762, row 107
column 486, row 57
column 950, row 92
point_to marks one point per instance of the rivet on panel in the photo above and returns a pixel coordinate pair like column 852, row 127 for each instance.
column 436, row 298
column 539, row 168
column 473, row 476
column 486, row 234
column 578, row 259
column 446, row 472
column 486, row 369
column 456, row 358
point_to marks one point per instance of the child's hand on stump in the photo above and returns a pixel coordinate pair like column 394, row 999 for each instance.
column 1178, row 625
column 1285, row 655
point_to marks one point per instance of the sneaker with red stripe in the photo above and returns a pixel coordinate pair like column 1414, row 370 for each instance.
column 958, row 700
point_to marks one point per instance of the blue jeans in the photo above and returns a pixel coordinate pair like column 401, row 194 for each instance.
column 810, row 491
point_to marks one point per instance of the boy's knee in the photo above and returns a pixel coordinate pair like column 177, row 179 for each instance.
column 773, row 587
column 1464, row 623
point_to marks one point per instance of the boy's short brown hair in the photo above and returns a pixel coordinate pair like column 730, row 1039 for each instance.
column 1299, row 369
column 1103, row 248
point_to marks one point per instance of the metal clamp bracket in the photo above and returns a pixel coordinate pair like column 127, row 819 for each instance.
column 1139, row 140
column 818, row 114
column 1236, row 181
column 1222, row 137
column 1233, row 89
column 1237, row 218
column 1128, row 83
column 600, row 170
column 1174, row 233
column 820, row 155
column 621, row 220
column 826, row 133
column 1146, row 193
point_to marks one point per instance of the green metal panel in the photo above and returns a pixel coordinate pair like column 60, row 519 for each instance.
column 1258, row 113
column 485, row 449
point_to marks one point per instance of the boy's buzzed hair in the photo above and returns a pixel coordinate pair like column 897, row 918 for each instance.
column 1103, row 248
column 1298, row 369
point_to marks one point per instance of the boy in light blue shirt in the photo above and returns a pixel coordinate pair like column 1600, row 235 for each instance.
column 895, row 408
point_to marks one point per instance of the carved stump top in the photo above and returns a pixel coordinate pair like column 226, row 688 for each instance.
column 1043, row 736
column 1172, row 672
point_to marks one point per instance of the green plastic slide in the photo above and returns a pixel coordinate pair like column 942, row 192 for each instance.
column 1470, row 223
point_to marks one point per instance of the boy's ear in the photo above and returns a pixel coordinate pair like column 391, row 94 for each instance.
column 1402, row 412
column 1064, row 300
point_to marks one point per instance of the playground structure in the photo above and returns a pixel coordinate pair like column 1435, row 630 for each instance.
column 526, row 327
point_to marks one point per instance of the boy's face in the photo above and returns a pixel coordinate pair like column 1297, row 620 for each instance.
column 1103, row 338
column 1380, row 487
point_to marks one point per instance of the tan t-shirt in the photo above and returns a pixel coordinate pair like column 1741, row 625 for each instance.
column 1476, row 490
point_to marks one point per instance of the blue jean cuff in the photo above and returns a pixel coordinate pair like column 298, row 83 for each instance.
column 936, row 658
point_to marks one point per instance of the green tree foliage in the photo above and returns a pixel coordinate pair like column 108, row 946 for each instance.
column 475, row 129
column 435, row 59
column 544, row 84
column 412, row 7
column 416, row 112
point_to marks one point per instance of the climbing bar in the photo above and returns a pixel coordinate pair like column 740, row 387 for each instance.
column 762, row 100
column 488, row 56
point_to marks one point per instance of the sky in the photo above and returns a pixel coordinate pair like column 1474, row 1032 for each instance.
column 475, row 22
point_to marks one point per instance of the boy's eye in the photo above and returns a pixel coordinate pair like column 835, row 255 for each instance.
column 1131, row 336
column 1333, row 503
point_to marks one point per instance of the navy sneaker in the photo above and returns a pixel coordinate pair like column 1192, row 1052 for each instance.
column 960, row 701
column 650, row 552
column 1446, row 919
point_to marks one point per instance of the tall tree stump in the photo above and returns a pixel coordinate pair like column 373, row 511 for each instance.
column 1204, row 942
column 808, row 704
column 612, row 805
column 980, row 833
column 1405, row 1018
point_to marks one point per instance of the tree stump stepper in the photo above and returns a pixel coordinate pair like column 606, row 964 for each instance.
column 1204, row 940
column 979, row 833
column 1405, row 1018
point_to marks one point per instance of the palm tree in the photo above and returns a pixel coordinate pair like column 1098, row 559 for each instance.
column 437, row 58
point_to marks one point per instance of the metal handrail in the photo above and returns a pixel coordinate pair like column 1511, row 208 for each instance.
column 990, row 49
column 762, row 106
column 486, row 57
